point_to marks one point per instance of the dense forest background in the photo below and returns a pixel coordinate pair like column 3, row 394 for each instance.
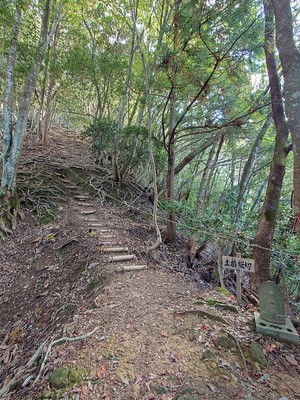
column 184, row 97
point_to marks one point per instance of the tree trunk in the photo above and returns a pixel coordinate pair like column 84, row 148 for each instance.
column 9, row 81
column 210, row 175
column 245, row 180
column 267, row 222
column 41, row 101
column 13, row 145
column 290, row 60
column 147, row 77
column 52, row 80
column 116, row 172
column 259, row 197
column 205, row 173
column 170, row 235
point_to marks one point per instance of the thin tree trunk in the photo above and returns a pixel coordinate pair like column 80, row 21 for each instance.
column 221, row 197
column 205, row 174
column 42, row 100
column 99, row 110
column 52, row 80
column 151, row 155
column 267, row 222
column 259, row 196
column 210, row 175
column 245, row 180
column 170, row 235
column 116, row 172
column 290, row 60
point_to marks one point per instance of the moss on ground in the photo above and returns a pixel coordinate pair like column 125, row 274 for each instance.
column 65, row 377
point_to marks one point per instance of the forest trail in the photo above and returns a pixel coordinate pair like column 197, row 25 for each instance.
column 149, row 340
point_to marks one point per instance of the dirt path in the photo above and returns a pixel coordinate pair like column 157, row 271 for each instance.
column 58, row 280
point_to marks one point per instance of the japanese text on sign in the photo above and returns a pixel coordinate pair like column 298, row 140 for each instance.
column 244, row 264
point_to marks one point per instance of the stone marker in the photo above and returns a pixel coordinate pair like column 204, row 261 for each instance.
column 271, row 303
column 272, row 320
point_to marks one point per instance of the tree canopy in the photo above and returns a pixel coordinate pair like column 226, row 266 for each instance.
column 184, row 80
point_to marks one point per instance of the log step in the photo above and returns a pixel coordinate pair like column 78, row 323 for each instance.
column 109, row 243
column 131, row 268
column 88, row 212
column 95, row 223
column 85, row 204
column 125, row 257
column 81, row 197
column 114, row 249
column 102, row 230
column 91, row 219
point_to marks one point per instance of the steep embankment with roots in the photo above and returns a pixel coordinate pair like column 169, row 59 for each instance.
column 85, row 313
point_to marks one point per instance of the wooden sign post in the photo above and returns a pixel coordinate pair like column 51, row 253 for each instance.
column 239, row 265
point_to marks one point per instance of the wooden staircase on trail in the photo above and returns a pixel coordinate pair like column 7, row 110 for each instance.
column 111, row 248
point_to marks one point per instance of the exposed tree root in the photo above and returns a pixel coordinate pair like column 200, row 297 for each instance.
column 239, row 347
column 202, row 313
column 17, row 378
column 60, row 341
column 9, row 215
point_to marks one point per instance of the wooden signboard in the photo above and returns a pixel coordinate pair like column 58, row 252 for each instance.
column 244, row 264
column 239, row 265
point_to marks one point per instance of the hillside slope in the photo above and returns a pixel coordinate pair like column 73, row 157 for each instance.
column 97, row 331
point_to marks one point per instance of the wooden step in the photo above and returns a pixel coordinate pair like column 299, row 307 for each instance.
column 88, row 212
column 95, row 224
column 128, row 268
column 81, row 197
column 114, row 249
column 124, row 257
column 102, row 230
column 86, row 204
column 109, row 243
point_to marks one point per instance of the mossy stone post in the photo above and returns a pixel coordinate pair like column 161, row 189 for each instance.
column 272, row 320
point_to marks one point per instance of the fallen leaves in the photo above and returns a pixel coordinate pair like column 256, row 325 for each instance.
column 102, row 371
column 291, row 359
column 15, row 336
column 271, row 347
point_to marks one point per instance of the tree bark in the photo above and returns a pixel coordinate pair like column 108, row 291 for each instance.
column 247, row 171
column 170, row 235
column 205, row 173
column 49, row 98
column 267, row 222
column 10, row 204
column 9, row 81
column 290, row 60
column 212, row 170
column 116, row 171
